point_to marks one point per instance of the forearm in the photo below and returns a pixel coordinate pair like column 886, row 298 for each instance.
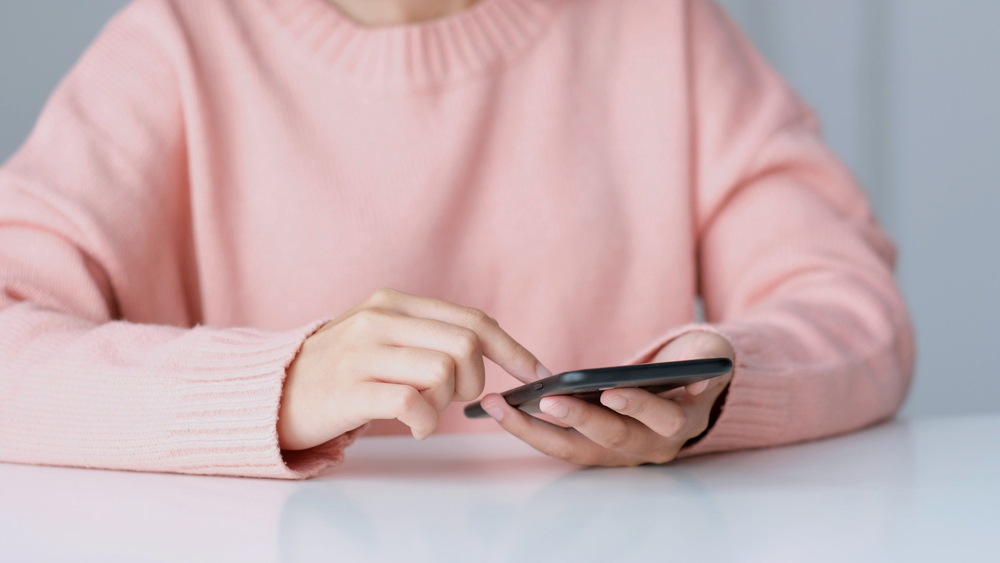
column 143, row 397
column 823, row 360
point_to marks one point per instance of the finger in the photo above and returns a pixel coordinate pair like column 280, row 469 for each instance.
column 604, row 427
column 497, row 345
column 428, row 371
column 715, row 383
column 561, row 443
column 664, row 416
column 698, row 387
column 461, row 344
column 697, row 344
column 383, row 401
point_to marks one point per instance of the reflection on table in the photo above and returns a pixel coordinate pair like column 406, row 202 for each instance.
column 908, row 490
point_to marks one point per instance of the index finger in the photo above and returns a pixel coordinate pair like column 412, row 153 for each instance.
column 497, row 345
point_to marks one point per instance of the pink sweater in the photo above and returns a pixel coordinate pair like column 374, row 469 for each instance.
column 216, row 178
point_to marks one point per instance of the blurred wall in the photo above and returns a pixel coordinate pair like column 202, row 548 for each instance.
column 909, row 92
column 39, row 42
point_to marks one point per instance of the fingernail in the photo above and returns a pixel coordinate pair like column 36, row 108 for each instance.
column 494, row 411
column 542, row 371
column 616, row 402
column 555, row 408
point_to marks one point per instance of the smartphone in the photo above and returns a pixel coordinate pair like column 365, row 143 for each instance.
column 588, row 384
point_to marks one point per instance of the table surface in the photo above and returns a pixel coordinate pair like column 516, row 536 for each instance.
column 908, row 490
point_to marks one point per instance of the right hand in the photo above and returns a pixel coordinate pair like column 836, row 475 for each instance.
column 393, row 356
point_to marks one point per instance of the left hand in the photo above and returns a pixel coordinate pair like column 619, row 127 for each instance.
column 634, row 426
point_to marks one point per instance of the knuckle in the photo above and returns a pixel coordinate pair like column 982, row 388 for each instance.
column 477, row 317
column 436, row 400
column 442, row 367
column 407, row 399
column 367, row 318
column 564, row 452
column 637, row 407
column 467, row 343
column 617, row 438
column 382, row 297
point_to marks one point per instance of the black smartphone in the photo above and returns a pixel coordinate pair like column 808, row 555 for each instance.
column 588, row 384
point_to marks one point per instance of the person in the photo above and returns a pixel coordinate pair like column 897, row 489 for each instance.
column 242, row 233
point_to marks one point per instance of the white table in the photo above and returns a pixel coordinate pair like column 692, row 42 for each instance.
column 910, row 490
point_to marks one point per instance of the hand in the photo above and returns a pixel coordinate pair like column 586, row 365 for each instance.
column 393, row 356
column 634, row 426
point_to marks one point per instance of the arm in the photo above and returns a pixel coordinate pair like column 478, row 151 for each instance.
column 795, row 272
column 102, row 359
column 99, row 363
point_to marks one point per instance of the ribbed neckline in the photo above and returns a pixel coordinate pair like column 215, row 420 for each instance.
column 476, row 40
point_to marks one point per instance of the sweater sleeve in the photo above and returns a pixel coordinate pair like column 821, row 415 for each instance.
column 793, row 268
column 103, row 362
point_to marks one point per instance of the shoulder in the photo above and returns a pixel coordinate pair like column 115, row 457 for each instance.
column 187, row 38
column 144, row 33
column 182, row 24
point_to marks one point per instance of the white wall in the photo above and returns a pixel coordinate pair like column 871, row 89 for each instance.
column 909, row 91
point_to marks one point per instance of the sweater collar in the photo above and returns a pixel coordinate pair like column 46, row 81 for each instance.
column 477, row 40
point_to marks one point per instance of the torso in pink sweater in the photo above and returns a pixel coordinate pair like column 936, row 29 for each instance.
column 216, row 178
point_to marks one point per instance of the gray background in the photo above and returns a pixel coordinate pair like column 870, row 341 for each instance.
column 908, row 91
